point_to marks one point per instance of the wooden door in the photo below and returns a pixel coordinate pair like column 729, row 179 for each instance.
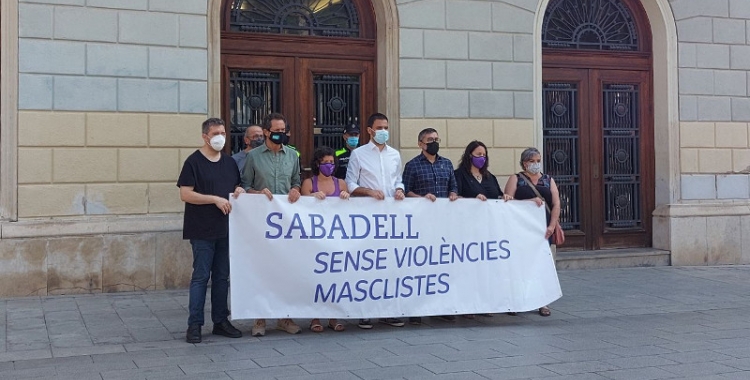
column 598, row 145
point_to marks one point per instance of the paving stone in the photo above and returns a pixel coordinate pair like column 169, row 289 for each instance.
column 392, row 372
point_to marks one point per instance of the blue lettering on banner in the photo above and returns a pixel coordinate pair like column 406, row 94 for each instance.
column 383, row 288
column 359, row 226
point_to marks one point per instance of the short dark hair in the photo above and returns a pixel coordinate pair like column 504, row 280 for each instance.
column 425, row 132
column 273, row 116
column 247, row 130
column 318, row 155
column 210, row 123
column 375, row 116
column 466, row 157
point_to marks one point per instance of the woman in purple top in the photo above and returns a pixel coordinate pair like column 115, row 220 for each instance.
column 323, row 184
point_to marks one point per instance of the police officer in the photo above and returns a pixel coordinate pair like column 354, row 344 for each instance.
column 351, row 141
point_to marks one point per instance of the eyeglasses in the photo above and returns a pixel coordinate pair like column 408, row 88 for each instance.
column 432, row 140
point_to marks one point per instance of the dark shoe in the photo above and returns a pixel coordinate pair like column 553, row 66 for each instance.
column 226, row 329
column 544, row 311
column 415, row 320
column 512, row 313
column 364, row 324
column 395, row 322
column 193, row 334
column 447, row 318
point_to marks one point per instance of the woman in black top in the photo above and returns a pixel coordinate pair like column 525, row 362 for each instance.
column 472, row 176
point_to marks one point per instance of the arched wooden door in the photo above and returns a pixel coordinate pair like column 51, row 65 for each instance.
column 598, row 120
column 312, row 60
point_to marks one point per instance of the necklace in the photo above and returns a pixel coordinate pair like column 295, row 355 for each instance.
column 478, row 177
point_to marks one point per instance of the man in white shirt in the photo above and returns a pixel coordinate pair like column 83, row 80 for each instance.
column 375, row 171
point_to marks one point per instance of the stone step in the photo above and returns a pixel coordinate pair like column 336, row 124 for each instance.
column 613, row 258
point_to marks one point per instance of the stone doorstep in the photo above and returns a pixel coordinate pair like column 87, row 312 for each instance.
column 613, row 258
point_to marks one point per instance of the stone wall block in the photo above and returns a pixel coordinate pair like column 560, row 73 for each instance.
column 34, row 165
column 35, row 92
column 116, row 60
column 410, row 129
column 741, row 161
column 512, row 76
column 462, row 132
column 714, row 108
column 503, row 163
column 51, row 57
column 428, row 14
column 59, row 2
column 698, row 29
column 179, row 6
column 51, row 128
column 446, row 44
column 130, row 262
column 116, row 199
column 686, row 54
column 696, row 81
column 138, row 5
column 446, row 103
column 23, row 267
column 164, row 197
column 116, row 129
column 688, row 108
column 745, row 231
column 148, row 28
column 691, row 8
column 712, row 56
column 715, row 160
column 741, row 109
column 411, row 103
column 50, row 200
column 490, row 46
column 148, row 95
column 730, row 82
column 507, row 18
column 689, row 241
column 419, row 73
column 731, row 135
column 724, row 240
column 175, row 130
column 78, row 93
column 700, row 186
column 523, row 48
column 411, row 43
column 523, row 104
column 172, row 63
column 85, row 24
column 491, row 104
column 148, row 165
column 688, row 160
column 84, row 165
column 729, row 31
column 193, row 31
column 74, row 266
column 469, row 15
column 193, row 97
column 174, row 261
column 740, row 57
column 510, row 133
column 733, row 186
column 35, row 21
column 739, row 9
column 469, row 75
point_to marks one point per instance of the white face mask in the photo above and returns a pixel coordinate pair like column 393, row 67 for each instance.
column 381, row 136
column 217, row 142
column 534, row 167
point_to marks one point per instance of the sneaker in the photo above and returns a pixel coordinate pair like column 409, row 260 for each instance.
column 193, row 334
column 395, row 322
column 447, row 318
column 364, row 324
column 259, row 328
column 226, row 329
column 415, row 320
column 288, row 325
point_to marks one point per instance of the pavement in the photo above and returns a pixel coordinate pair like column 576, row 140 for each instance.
column 633, row 323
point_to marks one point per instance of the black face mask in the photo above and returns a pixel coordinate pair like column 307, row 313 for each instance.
column 285, row 140
column 432, row 148
column 257, row 142
column 277, row 137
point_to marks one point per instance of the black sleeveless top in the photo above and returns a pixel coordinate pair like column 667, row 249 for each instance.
column 543, row 186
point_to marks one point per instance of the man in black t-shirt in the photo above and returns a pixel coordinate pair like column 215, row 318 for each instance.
column 206, row 180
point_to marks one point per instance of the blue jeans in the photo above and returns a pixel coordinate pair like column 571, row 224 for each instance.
column 210, row 260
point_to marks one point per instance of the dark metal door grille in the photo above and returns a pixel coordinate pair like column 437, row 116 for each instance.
column 252, row 96
column 589, row 24
column 561, row 148
column 337, row 104
column 622, row 176
column 330, row 18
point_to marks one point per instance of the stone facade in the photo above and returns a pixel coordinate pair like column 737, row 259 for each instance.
column 110, row 94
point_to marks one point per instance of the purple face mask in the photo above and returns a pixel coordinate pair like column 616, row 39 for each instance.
column 478, row 162
column 326, row 169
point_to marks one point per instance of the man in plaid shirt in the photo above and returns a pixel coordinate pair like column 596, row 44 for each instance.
column 430, row 175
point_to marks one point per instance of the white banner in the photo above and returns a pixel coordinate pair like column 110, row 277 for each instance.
column 364, row 258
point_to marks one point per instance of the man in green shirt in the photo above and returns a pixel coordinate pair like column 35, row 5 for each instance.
column 273, row 168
